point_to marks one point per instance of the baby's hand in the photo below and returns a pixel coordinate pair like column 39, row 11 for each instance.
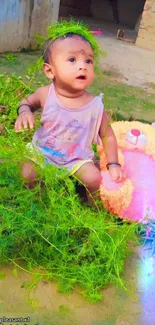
column 116, row 173
column 25, row 120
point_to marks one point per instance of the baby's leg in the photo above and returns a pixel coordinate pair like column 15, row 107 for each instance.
column 90, row 176
column 29, row 174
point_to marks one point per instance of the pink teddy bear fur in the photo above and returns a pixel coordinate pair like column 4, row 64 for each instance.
column 134, row 198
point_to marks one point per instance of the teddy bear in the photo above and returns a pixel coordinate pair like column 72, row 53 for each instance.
column 134, row 198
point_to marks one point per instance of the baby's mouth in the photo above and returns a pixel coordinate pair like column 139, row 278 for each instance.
column 81, row 77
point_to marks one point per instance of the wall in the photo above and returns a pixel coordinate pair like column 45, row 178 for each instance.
column 74, row 8
column 21, row 19
column 129, row 11
column 146, row 34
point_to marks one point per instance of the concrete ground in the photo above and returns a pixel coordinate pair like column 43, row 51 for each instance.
column 118, row 307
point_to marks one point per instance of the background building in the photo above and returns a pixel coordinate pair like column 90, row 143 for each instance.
column 20, row 20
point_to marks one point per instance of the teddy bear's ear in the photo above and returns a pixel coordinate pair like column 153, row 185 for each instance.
column 153, row 125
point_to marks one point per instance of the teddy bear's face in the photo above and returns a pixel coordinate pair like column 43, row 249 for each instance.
column 135, row 139
column 135, row 136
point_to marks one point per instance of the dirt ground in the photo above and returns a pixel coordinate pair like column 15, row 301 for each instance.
column 118, row 307
column 134, row 65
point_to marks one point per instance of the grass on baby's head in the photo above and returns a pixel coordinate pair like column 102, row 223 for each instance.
column 49, row 44
column 64, row 29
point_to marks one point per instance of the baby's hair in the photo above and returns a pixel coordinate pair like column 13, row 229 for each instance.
column 47, row 46
column 46, row 50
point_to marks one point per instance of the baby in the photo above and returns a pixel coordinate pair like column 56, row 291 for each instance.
column 72, row 118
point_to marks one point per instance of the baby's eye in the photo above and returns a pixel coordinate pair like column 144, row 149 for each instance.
column 72, row 59
column 89, row 61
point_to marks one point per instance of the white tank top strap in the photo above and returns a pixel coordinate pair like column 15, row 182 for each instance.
column 101, row 95
column 49, row 94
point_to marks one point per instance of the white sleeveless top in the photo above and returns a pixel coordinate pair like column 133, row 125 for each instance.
column 66, row 136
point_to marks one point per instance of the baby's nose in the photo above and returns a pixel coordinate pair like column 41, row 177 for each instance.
column 82, row 65
column 135, row 132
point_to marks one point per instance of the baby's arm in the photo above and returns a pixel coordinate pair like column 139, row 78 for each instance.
column 110, row 146
column 28, row 106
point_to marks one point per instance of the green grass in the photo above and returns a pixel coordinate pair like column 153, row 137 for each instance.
column 126, row 102
column 47, row 231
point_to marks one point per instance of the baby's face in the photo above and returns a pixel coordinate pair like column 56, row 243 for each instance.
column 73, row 63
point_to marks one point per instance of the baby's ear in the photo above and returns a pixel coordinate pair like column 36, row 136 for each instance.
column 48, row 70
